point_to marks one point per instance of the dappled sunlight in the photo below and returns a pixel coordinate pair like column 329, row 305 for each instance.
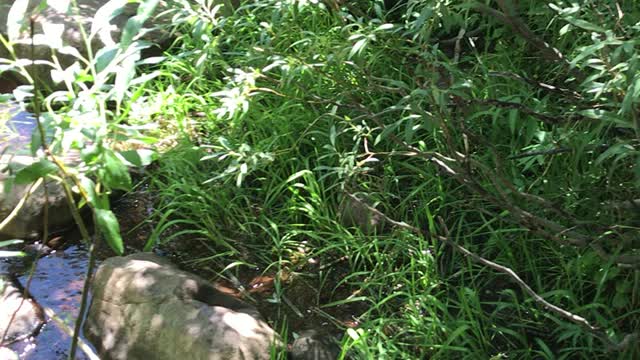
column 401, row 179
column 243, row 324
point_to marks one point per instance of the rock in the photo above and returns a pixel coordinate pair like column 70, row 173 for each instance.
column 27, row 320
column 143, row 307
column 355, row 212
column 29, row 221
column 55, row 26
column 37, row 250
column 54, row 18
column 8, row 354
column 312, row 345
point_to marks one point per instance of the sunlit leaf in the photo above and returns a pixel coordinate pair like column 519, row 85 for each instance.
column 101, row 21
column 4, row 243
column 16, row 18
column 124, row 76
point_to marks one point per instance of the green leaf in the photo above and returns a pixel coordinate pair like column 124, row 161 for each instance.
column 615, row 150
column 114, row 173
column 140, row 157
column 134, row 24
column 16, row 18
column 633, row 93
column 110, row 229
column 104, row 57
column 10, row 242
column 90, row 153
column 620, row 300
column 33, row 172
column 298, row 174
column 358, row 47
column 125, row 74
column 585, row 25
column 384, row 27
column 89, row 188
column 332, row 135
column 104, row 15
column 11, row 254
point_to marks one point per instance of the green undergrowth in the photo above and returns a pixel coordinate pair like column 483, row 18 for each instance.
column 492, row 141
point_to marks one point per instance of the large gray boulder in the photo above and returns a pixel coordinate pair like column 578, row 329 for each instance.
column 143, row 307
column 20, row 317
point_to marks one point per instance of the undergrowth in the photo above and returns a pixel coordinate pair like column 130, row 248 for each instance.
column 310, row 134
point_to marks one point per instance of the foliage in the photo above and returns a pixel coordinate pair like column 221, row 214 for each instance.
column 517, row 124
column 85, row 114
column 78, row 116
column 508, row 128
column 10, row 253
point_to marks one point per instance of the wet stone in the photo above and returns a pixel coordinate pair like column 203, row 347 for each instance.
column 19, row 317
column 314, row 345
column 14, row 155
column 144, row 307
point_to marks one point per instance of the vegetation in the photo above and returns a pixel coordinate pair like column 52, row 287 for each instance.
column 459, row 176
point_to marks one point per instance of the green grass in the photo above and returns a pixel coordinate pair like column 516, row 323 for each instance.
column 297, row 105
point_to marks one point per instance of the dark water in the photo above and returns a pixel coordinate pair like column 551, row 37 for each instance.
column 57, row 285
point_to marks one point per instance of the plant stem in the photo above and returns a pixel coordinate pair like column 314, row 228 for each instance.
column 83, row 302
column 72, row 205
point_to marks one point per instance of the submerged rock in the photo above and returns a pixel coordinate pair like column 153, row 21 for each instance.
column 143, row 307
column 27, row 319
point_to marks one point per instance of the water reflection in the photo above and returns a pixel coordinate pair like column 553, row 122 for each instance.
column 16, row 127
column 56, row 284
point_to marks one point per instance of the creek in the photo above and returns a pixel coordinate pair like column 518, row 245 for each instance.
column 56, row 284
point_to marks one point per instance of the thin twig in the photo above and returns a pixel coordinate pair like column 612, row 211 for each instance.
column 541, row 85
column 547, row 119
column 540, row 152
column 468, row 34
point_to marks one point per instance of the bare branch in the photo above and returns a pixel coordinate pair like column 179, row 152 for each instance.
column 555, row 151
column 509, row 17
column 579, row 320
column 543, row 86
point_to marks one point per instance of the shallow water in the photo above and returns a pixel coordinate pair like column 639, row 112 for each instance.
column 57, row 285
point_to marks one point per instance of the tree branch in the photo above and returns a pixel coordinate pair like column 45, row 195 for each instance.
column 579, row 320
